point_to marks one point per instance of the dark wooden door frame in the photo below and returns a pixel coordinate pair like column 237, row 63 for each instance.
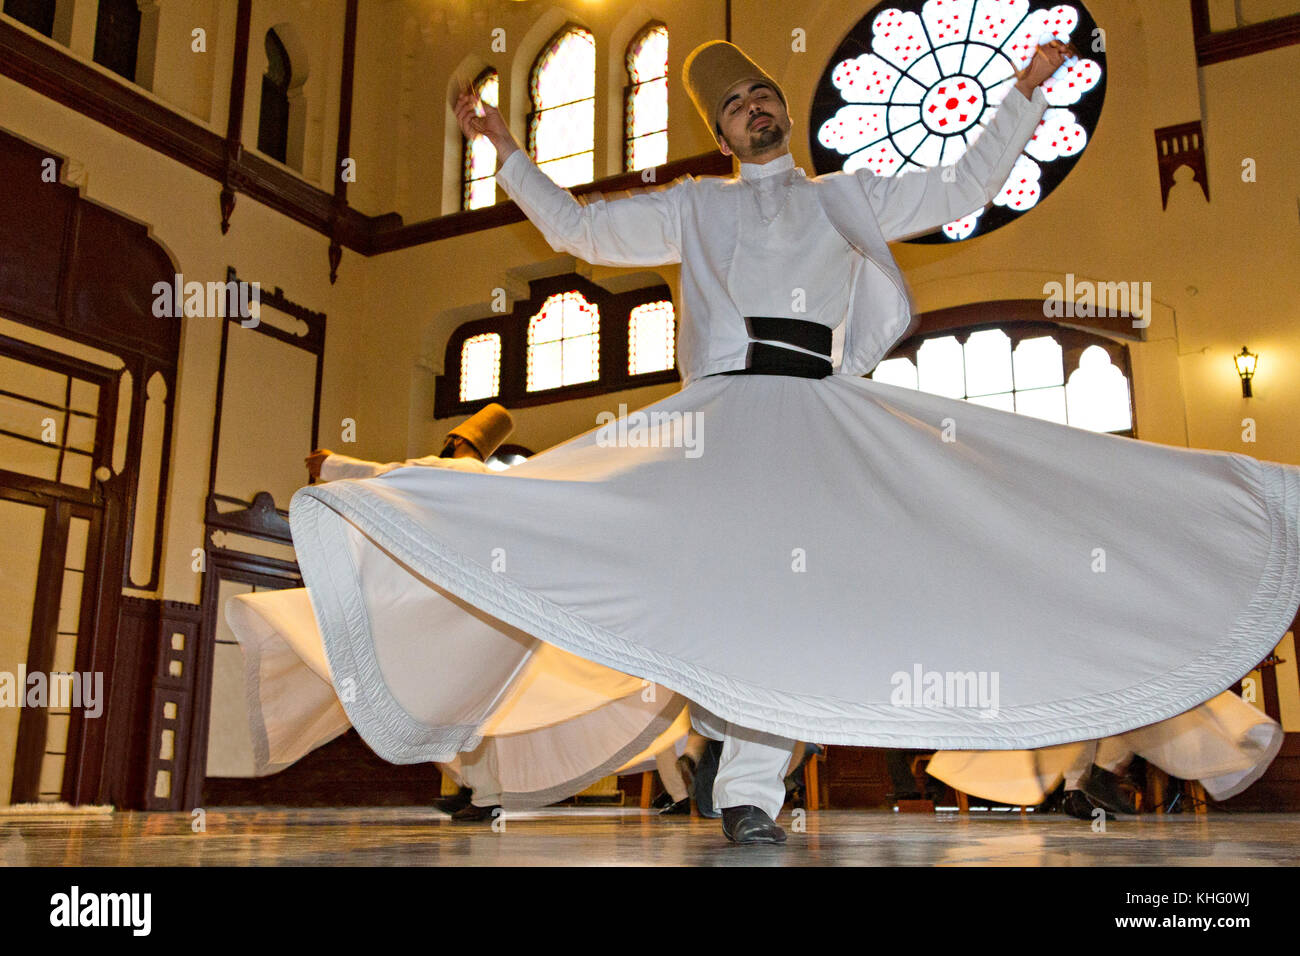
column 64, row 502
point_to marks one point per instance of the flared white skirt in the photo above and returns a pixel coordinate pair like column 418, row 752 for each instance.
column 837, row 560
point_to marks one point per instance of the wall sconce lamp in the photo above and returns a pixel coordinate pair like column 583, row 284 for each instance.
column 1246, row 362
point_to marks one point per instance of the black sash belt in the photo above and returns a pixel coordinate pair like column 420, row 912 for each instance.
column 765, row 359
column 806, row 335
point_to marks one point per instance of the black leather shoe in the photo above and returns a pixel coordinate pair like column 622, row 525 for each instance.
column 457, row 801
column 1077, row 805
column 474, row 813
column 662, row 801
column 748, row 824
column 1109, row 791
column 681, row 807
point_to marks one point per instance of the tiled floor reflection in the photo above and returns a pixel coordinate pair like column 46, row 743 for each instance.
column 417, row 836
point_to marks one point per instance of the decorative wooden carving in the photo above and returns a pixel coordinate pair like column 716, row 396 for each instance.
column 258, row 519
column 1181, row 145
column 172, row 714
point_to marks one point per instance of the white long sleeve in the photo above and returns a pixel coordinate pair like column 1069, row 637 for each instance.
column 342, row 466
column 915, row 203
column 644, row 229
column 337, row 466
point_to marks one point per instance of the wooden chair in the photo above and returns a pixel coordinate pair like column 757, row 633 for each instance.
column 812, row 794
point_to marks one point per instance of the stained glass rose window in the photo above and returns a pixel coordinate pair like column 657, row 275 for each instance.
column 915, row 82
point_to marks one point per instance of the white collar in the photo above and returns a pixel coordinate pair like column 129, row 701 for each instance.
column 770, row 168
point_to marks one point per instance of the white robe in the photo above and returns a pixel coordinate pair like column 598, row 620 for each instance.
column 1225, row 743
column 827, row 538
column 561, row 724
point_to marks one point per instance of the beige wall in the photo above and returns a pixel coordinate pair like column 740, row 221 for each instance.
column 1223, row 274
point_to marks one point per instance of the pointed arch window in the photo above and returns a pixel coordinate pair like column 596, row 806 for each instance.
column 273, row 122
column 480, row 154
column 480, row 367
column 568, row 338
column 117, row 36
column 37, row 14
column 647, row 99
column 563, row 342
column 651, row 335
column 562, row 125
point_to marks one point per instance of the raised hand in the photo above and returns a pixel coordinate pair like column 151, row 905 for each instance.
column 477, row 118
column 1047, row 60
column 315, row 460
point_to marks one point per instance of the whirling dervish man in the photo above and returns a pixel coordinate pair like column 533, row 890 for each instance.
column 821, row 532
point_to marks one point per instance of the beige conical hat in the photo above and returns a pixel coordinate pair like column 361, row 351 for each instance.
column 715, row 67
column 486, row 429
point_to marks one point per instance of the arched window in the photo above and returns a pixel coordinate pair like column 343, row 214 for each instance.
column 1037, row 369
column 273, row 124
column 117, row 36
column 647, row 99
column 563, row 342
column 651, row 333
column 567, row 338
column 480, row 155
column 562, row 125
column 914, row 83
column 37, row 14
column 480, row 367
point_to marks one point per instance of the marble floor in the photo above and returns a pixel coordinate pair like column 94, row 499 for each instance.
column 612, row 836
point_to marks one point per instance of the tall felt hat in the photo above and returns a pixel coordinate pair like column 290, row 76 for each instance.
column 485, row 429
column 715, row 67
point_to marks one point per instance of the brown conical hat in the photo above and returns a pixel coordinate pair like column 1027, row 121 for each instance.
column 486, row 429
column 715, row 67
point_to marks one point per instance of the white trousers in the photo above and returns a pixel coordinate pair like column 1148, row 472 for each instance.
column 753, row 764
column 475, row 769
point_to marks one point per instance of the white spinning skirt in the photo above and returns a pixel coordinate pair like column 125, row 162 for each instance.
column 820, row 563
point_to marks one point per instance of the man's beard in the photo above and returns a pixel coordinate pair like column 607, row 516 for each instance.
column 762, row 139
column 768, row 136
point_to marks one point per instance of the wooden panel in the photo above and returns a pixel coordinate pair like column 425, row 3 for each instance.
column 855, row 777
column 133, row 669
column 33, row 219
column 343, row 773
column 175, row 677
column 113, row 268
column 75, row 267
